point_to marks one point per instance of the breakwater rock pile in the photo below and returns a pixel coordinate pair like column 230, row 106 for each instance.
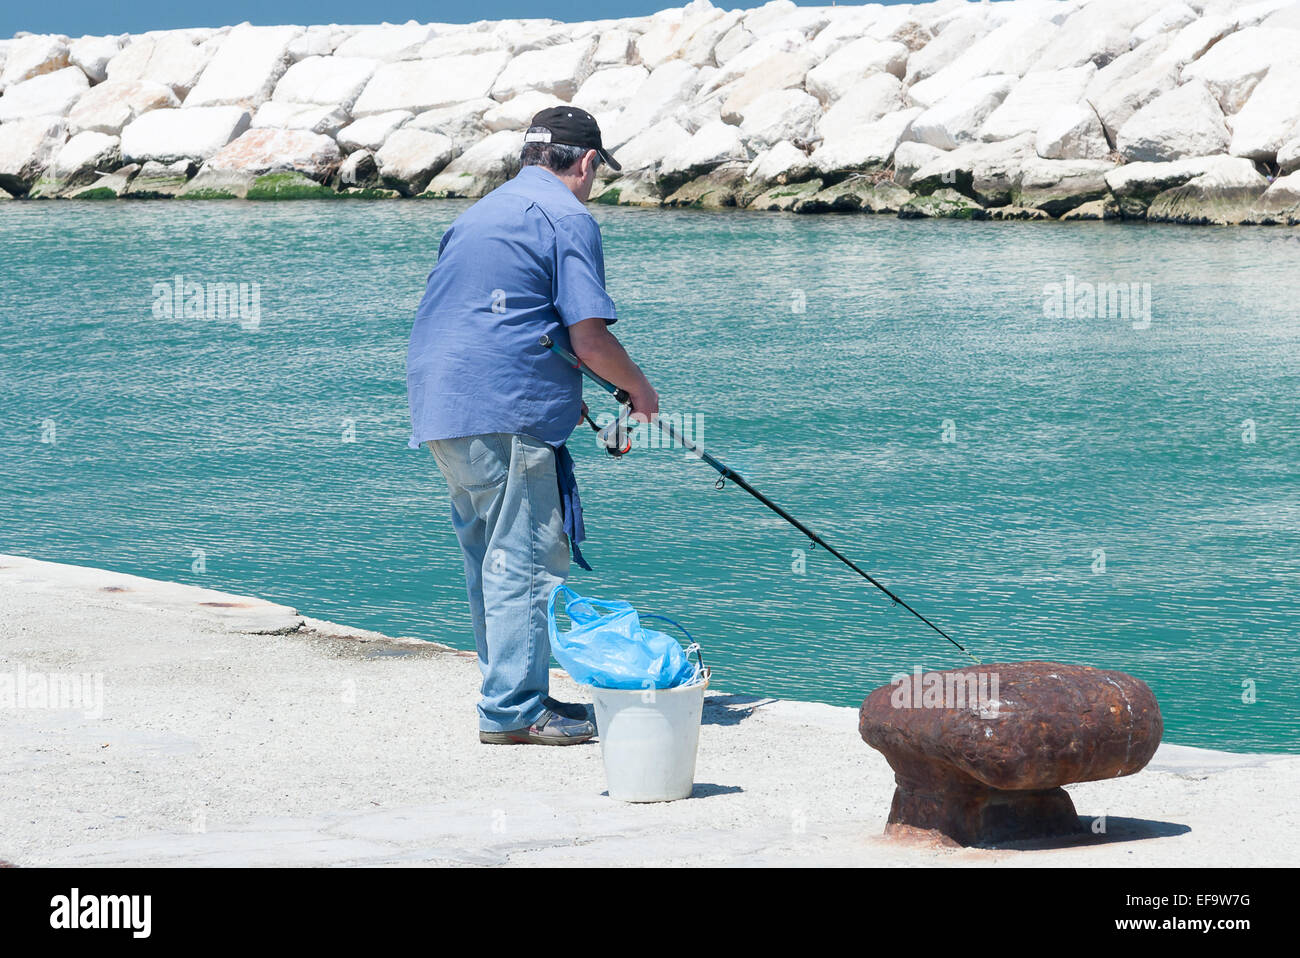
column 1171, row 110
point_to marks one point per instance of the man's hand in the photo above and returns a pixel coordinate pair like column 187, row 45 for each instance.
column 582, row 417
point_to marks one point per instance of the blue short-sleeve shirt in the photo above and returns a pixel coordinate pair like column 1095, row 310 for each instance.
column 524, row 261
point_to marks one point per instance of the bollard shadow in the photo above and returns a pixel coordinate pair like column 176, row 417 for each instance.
column 1117, row 830
column 731, row 709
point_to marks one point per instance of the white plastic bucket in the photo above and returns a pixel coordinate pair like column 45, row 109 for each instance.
column 649, row 739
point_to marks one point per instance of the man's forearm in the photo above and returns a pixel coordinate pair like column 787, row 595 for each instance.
column 601, row 352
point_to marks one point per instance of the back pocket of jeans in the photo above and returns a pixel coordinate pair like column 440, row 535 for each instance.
column 489, row 462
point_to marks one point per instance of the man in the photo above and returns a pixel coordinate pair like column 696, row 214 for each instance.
column 495, row 407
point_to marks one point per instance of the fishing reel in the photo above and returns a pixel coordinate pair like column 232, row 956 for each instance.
column 616, row 437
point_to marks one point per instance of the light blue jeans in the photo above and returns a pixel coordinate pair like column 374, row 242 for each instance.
column 505, row 507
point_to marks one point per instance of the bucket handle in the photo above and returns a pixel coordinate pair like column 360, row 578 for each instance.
column 693, row 647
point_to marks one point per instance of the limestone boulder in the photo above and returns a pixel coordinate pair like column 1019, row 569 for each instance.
column 110, row 106
column 371, row 132
column 159, row 181
column 707, row 149
column 1280, row 203
column 315, row 41
column 27, row 148
column 611, row 88
column 1224, row 195
column 411, row 158
column 463, row 122
column 781, row 115
column 50, row 94
column 175, row 58
column 857, row 194
column 359, row 170
column 1035, row 99
column 517, row 112
column 1165, row 21
column 870, row 146
column 646, row 150
column 1288, row 155
column 782, row 163
column 664, row 93
column 784, row 197
column 1130, row 82
column 1010, row 49
column 388, row 42
column 84, row 158
column 92, row 54
column 1233, row 66
column 831, row 78
column 863, row 103
column 270, row 150
column 942, row 204
column 1058, row 186
column 1135, row 185
column 1186, row 121
column 986, row 172
column 557, row 70
column 460, row 44
column 245, row 68
column 313, row 118
column 1096, row 33
column 748, row 60
column 170, row 135
column 955, row 39
column 780, row 71
column 614, row 48
column 691, row 39
column 334, row 81
column 910, row 156
column 1072, row 133
column 107, row 187
column 419, row 85
column 33, row 56
column 959, row 117
column 480, row 169
column 1270, row 116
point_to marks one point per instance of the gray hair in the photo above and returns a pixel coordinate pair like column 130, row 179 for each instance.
column 553, row 156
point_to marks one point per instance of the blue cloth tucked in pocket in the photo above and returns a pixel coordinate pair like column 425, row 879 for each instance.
column 571, row 504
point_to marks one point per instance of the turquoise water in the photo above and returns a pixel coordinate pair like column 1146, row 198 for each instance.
column 1072, row 435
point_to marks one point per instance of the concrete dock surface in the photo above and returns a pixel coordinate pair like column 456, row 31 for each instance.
column 198, row 728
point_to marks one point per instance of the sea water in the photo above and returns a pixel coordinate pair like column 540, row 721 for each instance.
column 1073, row 442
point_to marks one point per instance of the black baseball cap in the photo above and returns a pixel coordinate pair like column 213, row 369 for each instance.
column 570, row 126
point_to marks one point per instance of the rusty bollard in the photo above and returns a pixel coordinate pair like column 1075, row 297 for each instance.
column 979, row 755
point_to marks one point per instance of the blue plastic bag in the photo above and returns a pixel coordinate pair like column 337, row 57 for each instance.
column 612, row 650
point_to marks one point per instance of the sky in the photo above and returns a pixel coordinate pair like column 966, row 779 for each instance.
column 78, row 17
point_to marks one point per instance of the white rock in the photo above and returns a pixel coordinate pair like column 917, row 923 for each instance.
column 173, row 58
column 708, row 148
column 910, row 156
column 111, row 105
column 1288, row 157
column 1288, row 17
column 317, row 41
column 193, row 133
column 701, row 48
column 520, row 36
column 1007, row 50
column 1233, row 66
column 461, row 44
column 32, row 56
column 780, row 71
column 387, row 41
column 666, row 40
column 1098, row 32
column 1193, row 40
column 1130, row 82
column 1034, row 99
column 782, row 115
column 1149, row 178
column 613, row 48
column 750, row 59
column 245, row 68
column 959, row 117
column 411, row 158
column 1261, row 126
column 782, row 163
column 1072, row 133
column 831, row 78
column 463, row 122
column 334, row 81
column 957, row 37
column 780, row 15
column 480, row 169
column 1224, row 194
column 866, row 146
column 92, row 54
column 271, row 150
column 732, row 43
column 1184, row 122
column 865, row 102
column 26, row 148
column 312, row 117
column 558, row 70
column 515, row 113
column 49, row 94
column 646, row 150
column 419, row 85
column 664, row 93
column 847, row 24
column 610, row 89
column 78, row 160
column 369, row 133
column 1166, row 20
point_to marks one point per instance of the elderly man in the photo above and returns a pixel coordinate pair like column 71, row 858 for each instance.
column 495, row 407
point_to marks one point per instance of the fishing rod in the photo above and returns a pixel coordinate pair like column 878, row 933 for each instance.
column 613, row 437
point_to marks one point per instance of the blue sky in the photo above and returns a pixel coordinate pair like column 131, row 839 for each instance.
column 77, row 17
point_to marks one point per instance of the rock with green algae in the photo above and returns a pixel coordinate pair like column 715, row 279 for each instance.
column 942, row 204
column 631, row 189
column 217, row 185
column 723, row 188
column 288, row 185
column 110, row 186
column 1106, row 208
column 857, row 194
column 785, row 197
column 1224, row 196
column 369, row 193
column 159, row 181
column 1017, row 213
